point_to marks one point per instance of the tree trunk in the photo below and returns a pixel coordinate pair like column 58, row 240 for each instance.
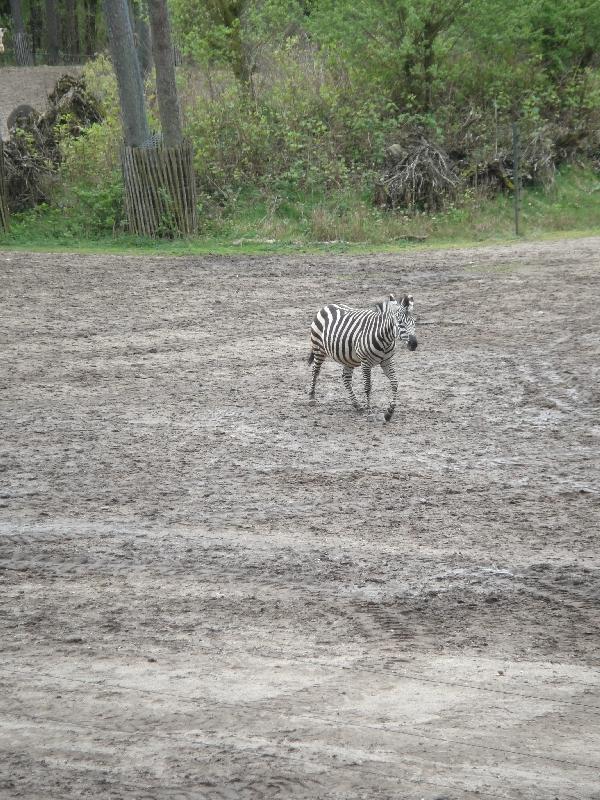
column 36, row 28
column 20, row 42
column 52, row 32
column 241, row 68
column 160, row 192
column 71, row 32
column 17, row 16
column 144, row 45
column 230, row 13
column 91, row 28
column 166, row 87
column 428, row 59
column 127, row 69
column 160, row 185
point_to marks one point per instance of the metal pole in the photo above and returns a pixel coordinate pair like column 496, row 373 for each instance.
column 516, row 175
column 4, row 222
column 496, row 129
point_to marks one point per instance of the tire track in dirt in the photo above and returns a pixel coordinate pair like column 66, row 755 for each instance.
column 175, row 517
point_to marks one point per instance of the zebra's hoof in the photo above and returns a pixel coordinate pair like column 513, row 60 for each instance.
column 388, row 415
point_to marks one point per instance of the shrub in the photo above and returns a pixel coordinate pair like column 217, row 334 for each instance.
column 302, row 132
column 419, row 176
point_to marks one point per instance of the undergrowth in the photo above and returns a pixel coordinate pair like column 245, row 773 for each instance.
column 258, row 221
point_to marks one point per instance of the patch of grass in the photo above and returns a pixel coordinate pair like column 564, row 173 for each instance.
column 253, row 222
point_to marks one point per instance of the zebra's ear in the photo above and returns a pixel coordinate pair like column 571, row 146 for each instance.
column 392, row 298
column 407, row 301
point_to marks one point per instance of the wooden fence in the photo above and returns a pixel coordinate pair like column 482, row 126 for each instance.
column 160, row 190
column 3, row 198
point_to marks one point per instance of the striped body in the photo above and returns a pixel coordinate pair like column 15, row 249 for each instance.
column 351, row 336
column 362, row 338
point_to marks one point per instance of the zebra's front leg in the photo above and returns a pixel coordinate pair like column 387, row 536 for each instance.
column 347, row 373
column 316, row 368
column 390, row 371
column 366, row 373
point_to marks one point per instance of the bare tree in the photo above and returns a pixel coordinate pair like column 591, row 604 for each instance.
column 127, row 69
column 166, row 87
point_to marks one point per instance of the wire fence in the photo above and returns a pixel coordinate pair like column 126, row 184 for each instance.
column 23, row 55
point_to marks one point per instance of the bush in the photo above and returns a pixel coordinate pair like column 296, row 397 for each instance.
column 33, row 152
column 419, row 176
column 301, row 132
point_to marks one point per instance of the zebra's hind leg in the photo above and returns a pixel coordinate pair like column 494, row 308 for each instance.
column 347, row 373
column 366, row 373
column 317, row 360
column 390, row 371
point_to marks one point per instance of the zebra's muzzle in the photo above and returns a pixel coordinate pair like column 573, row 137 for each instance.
column 412, row 343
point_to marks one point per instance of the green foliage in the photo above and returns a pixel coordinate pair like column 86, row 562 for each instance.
column 436, row 58
column 234, row 32
column 292, row 105
column 305, row 132
column 336, row 221
column 100, row 78
column 89, row 214
column 90, row 192
column 94, row 211
column 337, row 81
column 396, row 46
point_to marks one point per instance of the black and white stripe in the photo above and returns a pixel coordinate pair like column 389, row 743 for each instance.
column 362, row 338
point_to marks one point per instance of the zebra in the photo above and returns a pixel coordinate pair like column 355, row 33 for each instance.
column 362, row 338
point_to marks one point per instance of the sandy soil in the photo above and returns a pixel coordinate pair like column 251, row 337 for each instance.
column 28, row 86
column 211, row 589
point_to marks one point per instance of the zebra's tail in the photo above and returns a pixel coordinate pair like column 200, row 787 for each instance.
column 311, row 357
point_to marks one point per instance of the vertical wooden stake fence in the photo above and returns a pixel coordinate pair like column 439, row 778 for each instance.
column 516, row 174
column 3, row 196
column 160, row 190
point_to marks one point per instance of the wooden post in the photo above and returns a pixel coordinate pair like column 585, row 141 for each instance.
column 516, row 174
column 3, row 198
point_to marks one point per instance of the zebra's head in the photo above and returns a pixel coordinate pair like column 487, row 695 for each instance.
column 407, row 327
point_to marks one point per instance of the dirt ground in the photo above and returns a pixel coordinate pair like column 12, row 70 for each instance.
column 27, row 86
column 212, row 589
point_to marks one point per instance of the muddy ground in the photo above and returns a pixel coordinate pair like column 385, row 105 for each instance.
column 212, row 589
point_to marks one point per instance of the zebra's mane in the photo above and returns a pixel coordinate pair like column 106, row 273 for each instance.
column 404, row 306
